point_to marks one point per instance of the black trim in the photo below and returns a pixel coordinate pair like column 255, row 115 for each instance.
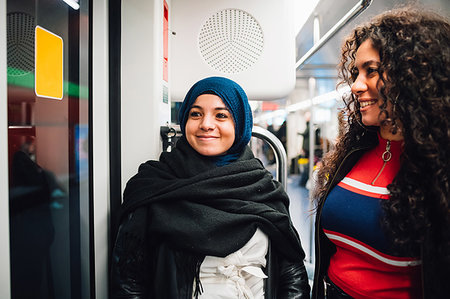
column 73, row 53
column 91, row 159
column 114, row 115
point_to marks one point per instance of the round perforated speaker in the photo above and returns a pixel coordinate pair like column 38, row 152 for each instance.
column 20, row 43
column 231, row 41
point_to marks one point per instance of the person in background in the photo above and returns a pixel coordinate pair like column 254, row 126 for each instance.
column 383, row 218
column 207, row 220
column 31, row 224
column 305, row 135
column 281, row 134
column 304, row 176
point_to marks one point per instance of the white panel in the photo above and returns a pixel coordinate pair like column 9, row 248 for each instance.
column 143, row 110
column 4, row 207
column 100, row 111
column 251, row 42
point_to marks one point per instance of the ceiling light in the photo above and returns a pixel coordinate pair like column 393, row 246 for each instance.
column 73, row 3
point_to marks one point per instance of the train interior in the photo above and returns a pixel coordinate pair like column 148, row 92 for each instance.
column 91, row 89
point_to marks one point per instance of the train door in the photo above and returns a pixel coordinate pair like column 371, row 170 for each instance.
column 48, row 149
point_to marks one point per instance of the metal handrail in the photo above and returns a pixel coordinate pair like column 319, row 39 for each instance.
column 280, row 152
column 352, row 13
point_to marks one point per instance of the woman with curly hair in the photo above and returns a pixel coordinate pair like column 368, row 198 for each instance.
column 383, row 218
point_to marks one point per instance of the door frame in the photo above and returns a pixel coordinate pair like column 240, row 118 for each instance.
column 100, row 147
column 5, row 279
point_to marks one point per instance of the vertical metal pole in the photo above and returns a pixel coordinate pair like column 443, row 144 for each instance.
column 312, row 140
column 312, row 135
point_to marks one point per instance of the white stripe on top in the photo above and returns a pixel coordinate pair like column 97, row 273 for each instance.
column 373, row 253
column 365, row 187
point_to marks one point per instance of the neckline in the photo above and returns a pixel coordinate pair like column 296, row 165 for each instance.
column 382, row 141
column 395, row 147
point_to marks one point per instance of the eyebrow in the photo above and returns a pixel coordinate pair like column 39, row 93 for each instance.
column 217, row 108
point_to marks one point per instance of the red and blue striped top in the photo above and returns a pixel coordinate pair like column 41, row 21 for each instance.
column 365, row 264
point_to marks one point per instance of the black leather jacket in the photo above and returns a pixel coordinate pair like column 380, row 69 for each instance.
column 159, row 278
column 435, row 266
column 324, row 248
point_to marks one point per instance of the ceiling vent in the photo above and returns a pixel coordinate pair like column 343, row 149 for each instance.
column 231, row 41
column 249, row 41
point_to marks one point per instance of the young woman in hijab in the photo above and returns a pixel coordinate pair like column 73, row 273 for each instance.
column 383, row 218
column 207, row 220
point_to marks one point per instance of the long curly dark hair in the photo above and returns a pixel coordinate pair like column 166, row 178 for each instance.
column 414, row 48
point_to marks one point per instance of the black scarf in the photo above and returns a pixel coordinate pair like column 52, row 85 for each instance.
column 202, row 209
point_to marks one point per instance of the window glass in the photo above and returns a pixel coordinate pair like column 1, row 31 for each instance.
column 48, row 134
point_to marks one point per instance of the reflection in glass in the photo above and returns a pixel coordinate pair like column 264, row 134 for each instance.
column 48, row 155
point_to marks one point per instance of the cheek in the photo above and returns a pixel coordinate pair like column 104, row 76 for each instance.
column 189, row 125
column 230, row 130
column 374, row 86
column 189, row 128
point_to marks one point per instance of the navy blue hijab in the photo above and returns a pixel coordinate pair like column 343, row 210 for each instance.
column 236, row 101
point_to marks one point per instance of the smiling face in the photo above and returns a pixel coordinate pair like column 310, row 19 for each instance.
column 366, row 83
column 210, row 126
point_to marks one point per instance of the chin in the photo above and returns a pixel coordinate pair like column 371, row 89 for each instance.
column 209, row 153
column 370, row 123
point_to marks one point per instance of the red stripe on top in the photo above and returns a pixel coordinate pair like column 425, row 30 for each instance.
column 362, row 278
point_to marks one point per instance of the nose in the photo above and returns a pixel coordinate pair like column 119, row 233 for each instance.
column 207, row 123
column 359, row 86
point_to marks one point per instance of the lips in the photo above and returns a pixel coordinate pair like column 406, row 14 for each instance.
column 206, row 137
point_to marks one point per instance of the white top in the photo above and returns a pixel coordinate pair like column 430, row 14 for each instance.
column 238, row 275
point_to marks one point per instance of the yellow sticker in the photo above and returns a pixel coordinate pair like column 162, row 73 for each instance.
column 48, row 64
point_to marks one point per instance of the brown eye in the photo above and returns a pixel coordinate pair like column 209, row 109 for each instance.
column 221, row 115
column 194, row 114
column 372, row 70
